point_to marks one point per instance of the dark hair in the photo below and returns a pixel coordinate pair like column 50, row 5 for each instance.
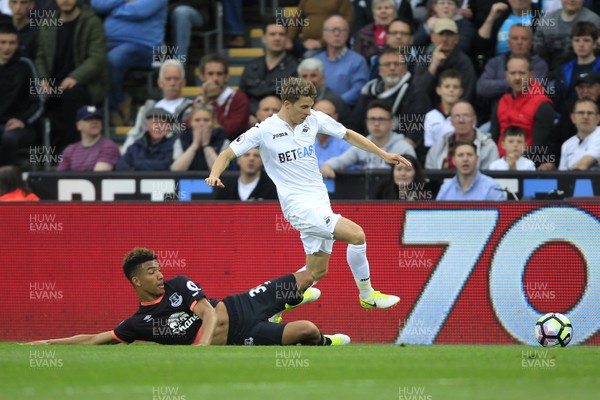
column 11, row 180
column 135, row 258
column 465, row 143
column 273, row 21
column 585, row 28
column 411, row 26
column 450, row 74
column 379, row 104
column 7, row 28
column 391, row 50
column 518, row 57
column 513, row 131
column 391, row 191
column 214, row 58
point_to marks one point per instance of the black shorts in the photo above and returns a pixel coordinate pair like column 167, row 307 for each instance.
column 249, row 312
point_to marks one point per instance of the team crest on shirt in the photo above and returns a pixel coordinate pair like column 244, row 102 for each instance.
column 240, row 139
column 176, row 300
column 305, row 129
column 249, row 341
column 327, row 219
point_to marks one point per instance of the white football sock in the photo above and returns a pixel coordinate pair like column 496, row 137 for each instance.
column 356, row 255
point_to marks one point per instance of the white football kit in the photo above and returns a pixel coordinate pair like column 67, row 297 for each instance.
column 291, row 162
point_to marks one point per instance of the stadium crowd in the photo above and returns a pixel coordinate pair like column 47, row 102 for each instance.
column 517, row 79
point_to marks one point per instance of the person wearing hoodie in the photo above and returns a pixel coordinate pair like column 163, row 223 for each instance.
column 526, row 106
column 464, row 120
column 379, row 125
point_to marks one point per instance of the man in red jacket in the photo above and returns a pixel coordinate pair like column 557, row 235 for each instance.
column 528, row 107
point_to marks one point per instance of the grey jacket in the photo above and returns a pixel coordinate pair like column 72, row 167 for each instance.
column 487, row 150
column 367, row 160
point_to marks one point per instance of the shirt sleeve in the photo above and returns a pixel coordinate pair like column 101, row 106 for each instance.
column 328, row 125
column 593, row 148
column 190, row 292
column 125, row 332
column 109, row 153
column 246, row 141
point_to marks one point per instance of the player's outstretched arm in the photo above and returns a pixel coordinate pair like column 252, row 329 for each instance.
column 208, row 315
column 220, row 165
column 358, row 140
column 98, row 338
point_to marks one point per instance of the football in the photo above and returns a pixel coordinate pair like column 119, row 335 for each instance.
column 553, row 329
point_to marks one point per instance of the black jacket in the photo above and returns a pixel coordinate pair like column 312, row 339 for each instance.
column 258, row 82
column 21, row 95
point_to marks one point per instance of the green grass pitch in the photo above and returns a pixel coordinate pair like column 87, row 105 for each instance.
column 366, row 372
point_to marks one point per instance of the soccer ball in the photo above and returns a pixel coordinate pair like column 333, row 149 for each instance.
column 553, row 329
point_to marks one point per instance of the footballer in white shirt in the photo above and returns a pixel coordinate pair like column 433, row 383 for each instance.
column 286, row 142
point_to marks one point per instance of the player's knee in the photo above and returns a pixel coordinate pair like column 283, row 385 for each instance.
column 309, row 333
column 358, row 236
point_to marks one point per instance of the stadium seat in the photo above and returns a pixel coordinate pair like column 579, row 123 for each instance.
column 215, row 29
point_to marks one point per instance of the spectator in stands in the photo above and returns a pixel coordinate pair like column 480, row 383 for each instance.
column 379, row 125
column 252, row 184
column 28, row 32
column 469, row 184
column 266, row 107
column 395, row 86
column 156, row 149
column 582, row 151
column 13, row 187
column 445, row 55
column 305, row 28
column 371, row 38
column 346, row 71
column 406, row 183
column 311, row 69
column 201, row 142
column 326, row 146
column 583, row 41
column 438, row 121
column 263, row 75
column 492, row 36
column 183, row 16
column 552, row 43
column 527, row 107
column 362, row 12
column 586, row 85
column 492, row 83
column 94, row 152
column 513, row 144
column 231, row 106
column 400, row 36
column 134, row 30
column 464, row 120
column 171, row 80
column 447, row 9
column 476, row 10
column 71, row 62
column 21, row 103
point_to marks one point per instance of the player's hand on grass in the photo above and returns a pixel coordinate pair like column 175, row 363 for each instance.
column 212, row 181
column 395, row 159
column 327, row 172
